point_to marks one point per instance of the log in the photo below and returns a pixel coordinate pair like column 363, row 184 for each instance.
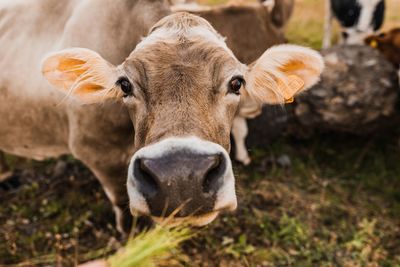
column 357, row 94
column 272, row 123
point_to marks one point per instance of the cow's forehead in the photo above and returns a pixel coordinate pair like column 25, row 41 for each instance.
column 197, row 65
column 198, row 53
column 182, row 28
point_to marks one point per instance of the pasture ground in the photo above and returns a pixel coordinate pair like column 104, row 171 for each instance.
column 336, row 202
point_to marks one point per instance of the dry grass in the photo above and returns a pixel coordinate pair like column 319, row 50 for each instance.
column 152, row 248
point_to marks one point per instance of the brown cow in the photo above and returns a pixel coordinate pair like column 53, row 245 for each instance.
column 162, row 117
column 389, row 44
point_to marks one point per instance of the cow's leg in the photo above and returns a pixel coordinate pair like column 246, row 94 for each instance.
column 115, row 189
column 102, row 138
column 326, row 42
column 109, row 164
column 5, row 172
column 113, row 181
column 239, row 133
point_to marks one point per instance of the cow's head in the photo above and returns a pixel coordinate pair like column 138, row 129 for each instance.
column 388, row 43
column 358, row 18
column 182, row 86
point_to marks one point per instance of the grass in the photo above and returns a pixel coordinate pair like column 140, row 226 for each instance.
column 305, row 27
column 311, row 215
column 337, row 204
column 151, row 248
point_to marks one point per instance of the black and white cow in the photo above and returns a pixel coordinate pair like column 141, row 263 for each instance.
column 358, row 18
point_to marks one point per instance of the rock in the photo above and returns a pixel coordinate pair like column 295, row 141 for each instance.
column 60, row 168
column 268, row 126
column 357, row 93
column 284, row 161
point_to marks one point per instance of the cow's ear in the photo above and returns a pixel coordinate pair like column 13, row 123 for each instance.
column 81, row 73
column 282, row 72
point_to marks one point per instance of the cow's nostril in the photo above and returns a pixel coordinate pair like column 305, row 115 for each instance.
column 213, row 178
column 147, row 181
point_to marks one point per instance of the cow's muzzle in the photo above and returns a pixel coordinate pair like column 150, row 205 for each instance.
column 181, row 177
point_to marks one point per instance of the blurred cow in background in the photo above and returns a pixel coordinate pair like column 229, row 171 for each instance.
column 389, row 44
column 249, row 29
column 358, row 18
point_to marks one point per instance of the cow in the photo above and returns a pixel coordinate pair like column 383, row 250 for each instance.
column 358, row 19
column 389, row 44
column 265, row 22
column 150, row 117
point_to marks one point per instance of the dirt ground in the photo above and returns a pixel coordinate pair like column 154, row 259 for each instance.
column 332, row 201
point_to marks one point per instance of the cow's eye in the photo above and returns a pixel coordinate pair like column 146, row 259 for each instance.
column 236, row 84
column 125, row 86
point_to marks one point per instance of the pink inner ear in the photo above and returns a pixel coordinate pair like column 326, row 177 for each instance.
column 298, row 67
column 72, row 65
column 63, row 72
column 305, row 73
column 82, row 73
column 61, row 80
column 87, row 88
column 292, row 66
